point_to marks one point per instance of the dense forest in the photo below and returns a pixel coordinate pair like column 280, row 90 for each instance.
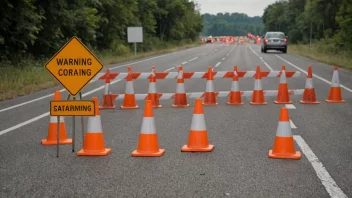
column 38, row 28
column 227, row 24
column 328, row 21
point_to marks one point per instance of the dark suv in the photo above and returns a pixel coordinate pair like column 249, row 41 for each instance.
column 274, row 41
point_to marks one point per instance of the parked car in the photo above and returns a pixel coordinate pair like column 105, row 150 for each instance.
column 274, row 41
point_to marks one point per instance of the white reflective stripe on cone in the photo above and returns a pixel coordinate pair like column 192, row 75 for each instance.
column 180, row 88
column 283, row 77
column 148, row 126
column 129, row 87
column 257, row 84
column 152, row 88
column 53, row 119
column 94, row 124
column 180, row 74
column 198, row 122
column 235, row 86
column 309, row 83
column 209, row 86
column 284, row 129
column 335, row 79
column 106, row 91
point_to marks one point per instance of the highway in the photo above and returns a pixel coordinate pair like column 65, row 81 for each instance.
column 237, row 167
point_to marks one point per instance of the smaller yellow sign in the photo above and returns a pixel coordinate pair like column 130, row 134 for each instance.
column 72, row 108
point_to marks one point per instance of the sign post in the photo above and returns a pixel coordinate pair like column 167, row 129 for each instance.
column 135, row 35
column 74, row 65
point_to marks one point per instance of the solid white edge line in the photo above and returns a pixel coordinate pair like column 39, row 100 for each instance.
column 48, row 113
column 318, row 77
column 325, row 178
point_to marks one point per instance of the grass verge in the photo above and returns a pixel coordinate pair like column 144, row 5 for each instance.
column 33, row 77
column 321, row 53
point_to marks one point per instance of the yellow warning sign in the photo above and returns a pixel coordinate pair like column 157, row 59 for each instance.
column 74, row 66
column 72, row 108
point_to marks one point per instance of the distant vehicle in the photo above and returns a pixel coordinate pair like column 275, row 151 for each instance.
column 274, row 41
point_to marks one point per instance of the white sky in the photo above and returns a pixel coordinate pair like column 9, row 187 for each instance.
column 249, row 7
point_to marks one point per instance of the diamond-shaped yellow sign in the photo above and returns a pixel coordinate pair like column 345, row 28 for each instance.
column 74, row 65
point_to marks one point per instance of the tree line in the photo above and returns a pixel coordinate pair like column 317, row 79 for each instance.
column 329, row 21
column 234, row 24
column 38, row 28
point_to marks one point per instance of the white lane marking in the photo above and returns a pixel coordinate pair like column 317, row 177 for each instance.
column 206, row 54
column 290, row 106
column 323, row 79
column 266, row 64
column 293, row 126
column 227, row 54
column 223, row 58
column 325, row 178
column 62, row 90
column 48, row 113
column 216, row 50
column 193, row 59
column 184, row 63
column 169, row 69
column 217, row 64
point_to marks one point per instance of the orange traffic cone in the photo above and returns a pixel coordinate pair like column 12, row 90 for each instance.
column 335, row 95
column 309, row 92
column 209, row 95
column 235, row 94
column 129, row 101
column 180, row 95
column 152, row 93
column 148, row 145
column 198, row 135
column 108, row 98
column 284, row 143
column 94, row 139
column 282, row 95
column 52, row 129
column 258, row 93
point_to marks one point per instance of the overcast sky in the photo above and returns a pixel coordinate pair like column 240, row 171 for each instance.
column 249, row 7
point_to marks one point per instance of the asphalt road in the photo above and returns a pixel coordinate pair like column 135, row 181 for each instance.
column 242, row 135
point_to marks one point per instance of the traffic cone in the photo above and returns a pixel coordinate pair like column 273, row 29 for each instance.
column 148, row 145
column 284, row 143
column 152, row 93
column 180, row 95
column 335, row 95
column 108, row 98
column 235, row 94
column 209, row 95
column 282, row 95
column 94, row 139
column 309, row 92
column 198, row 135
column 52, row 129
column 258, row 93
column 129, row 101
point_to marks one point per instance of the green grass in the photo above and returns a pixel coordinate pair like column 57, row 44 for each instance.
column 324, row 53
column 33, row 77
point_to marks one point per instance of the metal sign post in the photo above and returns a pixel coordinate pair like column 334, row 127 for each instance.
column 135, row 35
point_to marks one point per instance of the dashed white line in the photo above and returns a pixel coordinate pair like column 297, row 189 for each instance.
column 268, row 66
column 48, row 113
column 227, row 54
column 293, row 126
column 193, row 59
column 184, row 63
column 223, row 58
column 217, row 64
column 169, row 69
column 290, row 106
column 320, row 78
column 216, row 50
column 330, row 185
